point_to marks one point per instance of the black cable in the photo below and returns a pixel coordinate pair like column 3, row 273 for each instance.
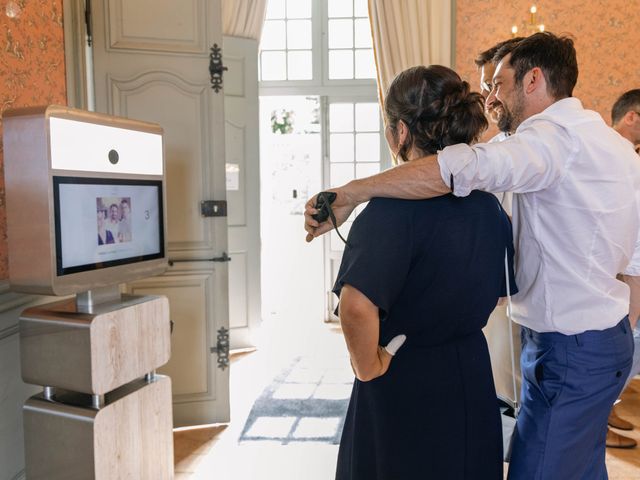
column 326, row 210
column 332, row 217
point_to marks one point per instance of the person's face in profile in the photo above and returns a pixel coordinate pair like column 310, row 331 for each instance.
column 486, row 85
column 115, row 213
column 506, row 98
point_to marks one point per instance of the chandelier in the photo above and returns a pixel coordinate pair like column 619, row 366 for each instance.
column 533, row 25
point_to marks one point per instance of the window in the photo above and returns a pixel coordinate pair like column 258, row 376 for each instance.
column 350, row 48
column 354, row 147
column 317, row 56
column 286, row 44
column 317, row 42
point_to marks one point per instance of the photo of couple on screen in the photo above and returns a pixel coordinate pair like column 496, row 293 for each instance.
column 113, row 220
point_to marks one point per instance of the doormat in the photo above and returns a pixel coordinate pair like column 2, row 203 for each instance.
column 304, row 403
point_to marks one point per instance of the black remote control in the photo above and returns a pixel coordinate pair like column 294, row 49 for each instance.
column 322, row 205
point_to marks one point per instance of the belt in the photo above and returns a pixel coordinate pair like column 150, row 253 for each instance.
column 589, row 336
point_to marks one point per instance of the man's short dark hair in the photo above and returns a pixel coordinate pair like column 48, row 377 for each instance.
column 627, row 101
column 488, row 55
column 505, row 49
column 554, row 55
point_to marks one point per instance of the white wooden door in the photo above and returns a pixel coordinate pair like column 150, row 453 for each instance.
column 242, row 147
column 151, row 62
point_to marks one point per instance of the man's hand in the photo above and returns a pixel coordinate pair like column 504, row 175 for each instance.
column 342, row 207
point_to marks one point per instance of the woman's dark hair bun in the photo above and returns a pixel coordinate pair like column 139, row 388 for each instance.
column 438, row 107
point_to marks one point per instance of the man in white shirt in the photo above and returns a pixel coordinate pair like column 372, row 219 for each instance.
column 576, row 220
column 625, row 118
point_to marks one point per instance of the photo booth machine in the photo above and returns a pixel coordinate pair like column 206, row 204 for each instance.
column 85, row 200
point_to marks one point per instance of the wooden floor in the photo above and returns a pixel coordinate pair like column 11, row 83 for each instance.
column 213, row 452
column 624, row 464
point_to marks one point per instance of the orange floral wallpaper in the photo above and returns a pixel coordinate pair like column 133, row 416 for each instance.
column 32, row 70
column 606, row 35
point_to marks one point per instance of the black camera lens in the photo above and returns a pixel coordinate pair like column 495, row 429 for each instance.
column 113, row 156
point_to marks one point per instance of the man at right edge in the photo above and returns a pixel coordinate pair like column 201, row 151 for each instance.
column 576, row 217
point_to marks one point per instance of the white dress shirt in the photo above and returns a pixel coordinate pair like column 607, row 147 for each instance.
column 505, row 198
column 575, row 214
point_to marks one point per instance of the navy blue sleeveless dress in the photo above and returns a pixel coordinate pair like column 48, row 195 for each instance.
column 435, row 269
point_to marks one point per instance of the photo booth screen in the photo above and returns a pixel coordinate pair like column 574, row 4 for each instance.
column 104, row 222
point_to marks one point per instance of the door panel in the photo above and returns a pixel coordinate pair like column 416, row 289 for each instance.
column 180, row 30
column 151, row 62
column 185, row 146
column 243, row 188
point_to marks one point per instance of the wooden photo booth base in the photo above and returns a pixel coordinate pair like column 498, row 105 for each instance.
column 131, row 437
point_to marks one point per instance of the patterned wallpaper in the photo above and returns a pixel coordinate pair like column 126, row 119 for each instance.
column 606, row 35
column 32, row 70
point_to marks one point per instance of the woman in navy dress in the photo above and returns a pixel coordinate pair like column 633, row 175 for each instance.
column 431, row 270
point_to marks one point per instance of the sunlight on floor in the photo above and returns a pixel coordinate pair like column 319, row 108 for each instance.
column 297, row 370
column 304, row 364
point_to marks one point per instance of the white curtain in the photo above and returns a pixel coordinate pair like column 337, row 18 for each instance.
column 243, row 18
column 407, row 33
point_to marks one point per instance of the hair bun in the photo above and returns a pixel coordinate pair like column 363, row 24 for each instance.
column 437, row 105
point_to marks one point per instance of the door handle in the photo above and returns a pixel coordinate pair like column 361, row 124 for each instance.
column 216, row 68
column 222, row 348
column 223, row 258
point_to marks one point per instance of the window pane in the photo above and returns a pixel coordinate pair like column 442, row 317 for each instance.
column 273, row 35
column 368, row 147
column 299, row 65
column 340, row 33
column 367, row 169
column 341, row 173
column 341, row 117
column 361, row 8
column 340, row 64
column 299, row 34
column 363, row 33
column 365, row 66
column 367, row 117
column 340, row 149
column 340, row 8
column 273, row 66
column 298, row 8
column 275, row 9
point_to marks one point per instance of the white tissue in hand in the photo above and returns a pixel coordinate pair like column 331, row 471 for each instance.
column 394, row 345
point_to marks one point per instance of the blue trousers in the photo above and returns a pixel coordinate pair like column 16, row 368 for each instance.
column 569, row 383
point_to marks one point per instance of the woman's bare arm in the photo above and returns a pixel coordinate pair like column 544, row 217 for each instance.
column 361, row 328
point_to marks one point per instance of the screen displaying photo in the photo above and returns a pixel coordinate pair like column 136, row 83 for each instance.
column 106, row 222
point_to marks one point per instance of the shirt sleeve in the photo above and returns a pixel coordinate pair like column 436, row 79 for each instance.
column 377, row 258
column 532, row 159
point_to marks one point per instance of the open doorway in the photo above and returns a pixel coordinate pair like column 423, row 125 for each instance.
column 290, row 171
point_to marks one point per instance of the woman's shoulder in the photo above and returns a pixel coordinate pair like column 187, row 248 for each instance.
column 437, row 205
